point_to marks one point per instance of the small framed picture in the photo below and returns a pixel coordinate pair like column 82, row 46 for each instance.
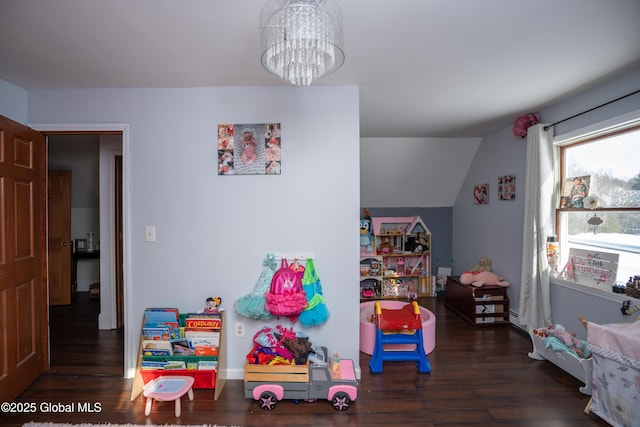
column 80, row 245
column 574, row 191
column 481, row 194
column 507, row 187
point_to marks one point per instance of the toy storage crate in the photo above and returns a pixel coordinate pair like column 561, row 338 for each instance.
column 276, row 373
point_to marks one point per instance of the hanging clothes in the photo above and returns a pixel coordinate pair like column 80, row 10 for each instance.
column 285, row 296
column 253, row 304
column 316, row 312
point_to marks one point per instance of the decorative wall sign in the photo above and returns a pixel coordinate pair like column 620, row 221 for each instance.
column 481, row 194
column 507, row 187
column 249, row 149
column 574, row 191
column 593, row 267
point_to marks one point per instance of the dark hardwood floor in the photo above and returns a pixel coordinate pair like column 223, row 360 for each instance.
column 480, row 377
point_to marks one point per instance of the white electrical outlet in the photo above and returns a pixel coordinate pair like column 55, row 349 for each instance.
column 239, row 329
column 150, row 233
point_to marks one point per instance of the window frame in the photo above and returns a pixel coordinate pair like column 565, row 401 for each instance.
column 562, row 143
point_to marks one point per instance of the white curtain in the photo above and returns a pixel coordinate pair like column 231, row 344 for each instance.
column 535, row 304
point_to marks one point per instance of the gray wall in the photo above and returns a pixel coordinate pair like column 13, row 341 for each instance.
column 495, row 230
column 213, row 232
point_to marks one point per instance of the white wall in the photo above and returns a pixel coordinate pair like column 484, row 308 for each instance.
column 413, row 172
column 214, row 231
column 13, row 102
column 495, row 230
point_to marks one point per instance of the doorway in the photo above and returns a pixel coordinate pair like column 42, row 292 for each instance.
column 94, row 160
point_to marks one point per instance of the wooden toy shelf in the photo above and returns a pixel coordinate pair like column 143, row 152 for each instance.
column 203, row 379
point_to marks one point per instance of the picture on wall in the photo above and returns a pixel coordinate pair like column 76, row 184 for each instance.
column 249, row 149
column 481, row 194
column 574, row 191
column 507, row 187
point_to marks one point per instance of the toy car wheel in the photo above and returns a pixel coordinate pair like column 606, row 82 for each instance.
column 340, row 401
column 268, row 400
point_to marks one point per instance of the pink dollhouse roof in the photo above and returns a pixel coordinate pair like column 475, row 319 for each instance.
column 397, row 224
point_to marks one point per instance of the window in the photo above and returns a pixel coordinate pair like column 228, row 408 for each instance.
column 599, row 208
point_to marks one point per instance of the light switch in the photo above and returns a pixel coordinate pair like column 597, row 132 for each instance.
column 150, row 233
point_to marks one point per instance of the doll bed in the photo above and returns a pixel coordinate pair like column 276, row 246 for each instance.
column 579, row 367
column 616, row 372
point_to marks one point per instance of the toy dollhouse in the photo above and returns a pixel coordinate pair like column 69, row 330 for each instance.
column 400, row 261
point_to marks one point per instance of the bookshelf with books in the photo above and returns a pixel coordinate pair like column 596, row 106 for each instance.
column 173, row 343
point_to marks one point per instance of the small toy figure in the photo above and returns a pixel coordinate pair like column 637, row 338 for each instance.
column 421, row 244
column 212, row 305
column 411, row 293
column 385, row 246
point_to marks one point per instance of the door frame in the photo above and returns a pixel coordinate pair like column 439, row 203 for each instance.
column 123, row 129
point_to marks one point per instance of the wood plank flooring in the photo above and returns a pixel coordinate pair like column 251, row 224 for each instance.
column 480, row 377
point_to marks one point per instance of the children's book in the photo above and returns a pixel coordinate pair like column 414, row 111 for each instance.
column 202, row 337
column 181, row 347
column 161, row 315
column 175, row 364
column 152, row 364
column 174, row 327
column 156, row 348
column 205, row 350
column 209, row 365
column 160, row 334
column 203, row 322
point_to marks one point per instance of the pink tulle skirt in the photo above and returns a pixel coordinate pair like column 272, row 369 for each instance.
column 285, row 304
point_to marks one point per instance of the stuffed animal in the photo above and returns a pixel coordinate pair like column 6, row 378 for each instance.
column 483, row 265
column 365, row 236
column 482, row 278
column 212, row 305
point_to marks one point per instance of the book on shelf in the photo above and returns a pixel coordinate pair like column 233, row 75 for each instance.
column 174, row 328
column 181, row 347
column 157, row 334
column 202, row 337
column 209, row 365
column 161, row 314
column 156, row 348
column 175, row 364
column 203, row 320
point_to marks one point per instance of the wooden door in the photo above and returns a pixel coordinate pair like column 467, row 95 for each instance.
column 59, row 250
column 23, row 281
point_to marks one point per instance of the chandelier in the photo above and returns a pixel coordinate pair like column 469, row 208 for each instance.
column 301, row 39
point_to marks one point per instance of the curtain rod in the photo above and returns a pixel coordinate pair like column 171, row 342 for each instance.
column 591, row 109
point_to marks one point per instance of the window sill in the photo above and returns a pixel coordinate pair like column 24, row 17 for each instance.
column 590, row 290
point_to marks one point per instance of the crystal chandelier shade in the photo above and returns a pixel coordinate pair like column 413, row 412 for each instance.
column 301, row 39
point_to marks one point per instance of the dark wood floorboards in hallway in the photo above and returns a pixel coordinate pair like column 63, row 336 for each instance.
column 480, row 377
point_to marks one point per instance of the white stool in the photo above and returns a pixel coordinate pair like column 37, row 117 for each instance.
column 167, row 388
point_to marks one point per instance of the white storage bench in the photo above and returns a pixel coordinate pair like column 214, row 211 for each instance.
column 579, row 367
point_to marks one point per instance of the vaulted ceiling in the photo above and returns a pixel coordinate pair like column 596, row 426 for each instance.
column 425, row 68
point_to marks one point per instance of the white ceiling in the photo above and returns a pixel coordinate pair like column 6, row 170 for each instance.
column 425, row 68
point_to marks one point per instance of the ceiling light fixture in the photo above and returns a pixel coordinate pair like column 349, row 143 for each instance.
column 301, row 39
